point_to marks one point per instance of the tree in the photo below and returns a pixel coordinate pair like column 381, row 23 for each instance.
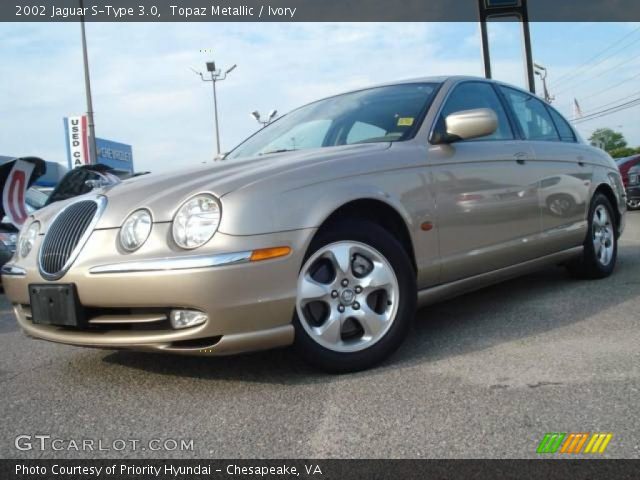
column 608, row 139
column 624, row 152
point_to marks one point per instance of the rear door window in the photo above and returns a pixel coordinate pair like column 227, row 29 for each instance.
column 532, row 116
column 565, row 131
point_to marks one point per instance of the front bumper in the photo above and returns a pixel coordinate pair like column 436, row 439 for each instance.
column 249, row 304
column 633, row 193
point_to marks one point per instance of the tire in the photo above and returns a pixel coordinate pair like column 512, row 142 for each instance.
column 378, row 302
column 633, row 205
column 601, row 234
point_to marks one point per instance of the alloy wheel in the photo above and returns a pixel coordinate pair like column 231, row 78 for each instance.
column 347, row 296
column 603, row 235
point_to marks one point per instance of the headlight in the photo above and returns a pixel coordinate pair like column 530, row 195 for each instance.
column 196, row 221
column 135, row 230
column 28, row 239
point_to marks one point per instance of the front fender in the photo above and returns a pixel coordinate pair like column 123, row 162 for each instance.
column 249, row 212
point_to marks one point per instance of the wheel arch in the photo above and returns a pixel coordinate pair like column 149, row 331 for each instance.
column 377, row 211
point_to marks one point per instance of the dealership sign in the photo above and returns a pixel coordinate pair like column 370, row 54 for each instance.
column 75, row 129
column 114, row 154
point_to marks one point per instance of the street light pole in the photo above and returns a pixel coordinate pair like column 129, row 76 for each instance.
column 215, row 113
column 87, row 87
column 216, row 76
column 256, row 115
column 542, row 73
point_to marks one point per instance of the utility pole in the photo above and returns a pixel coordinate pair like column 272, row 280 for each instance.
column 264, row 122
column 542, row 73
column 87, row 88
column 215, row 76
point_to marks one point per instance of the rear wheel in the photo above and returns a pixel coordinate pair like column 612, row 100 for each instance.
column 356, row 297
column 633, row 204
column 601, row 245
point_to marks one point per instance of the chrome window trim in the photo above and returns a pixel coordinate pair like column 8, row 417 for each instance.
column 101, row 202
column 185, row 262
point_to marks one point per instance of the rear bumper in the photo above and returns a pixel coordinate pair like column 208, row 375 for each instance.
column 249, row 304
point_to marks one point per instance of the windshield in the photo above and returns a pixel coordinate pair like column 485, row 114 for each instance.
column 381, row 114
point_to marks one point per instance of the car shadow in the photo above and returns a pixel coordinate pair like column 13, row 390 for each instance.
column 519, row 308
column 516, row 309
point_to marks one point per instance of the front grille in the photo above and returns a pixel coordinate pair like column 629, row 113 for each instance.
column 62, row 242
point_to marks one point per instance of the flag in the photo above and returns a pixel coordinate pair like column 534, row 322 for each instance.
column 577, row 111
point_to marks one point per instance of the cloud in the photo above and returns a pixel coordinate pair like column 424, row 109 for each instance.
column 145, row 93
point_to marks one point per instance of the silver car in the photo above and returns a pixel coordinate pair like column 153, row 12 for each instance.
column 325, row 229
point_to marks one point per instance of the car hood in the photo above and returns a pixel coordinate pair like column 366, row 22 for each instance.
column 162, row 194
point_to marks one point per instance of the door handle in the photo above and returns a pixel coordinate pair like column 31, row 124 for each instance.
column 581, row 161
column 521, row 157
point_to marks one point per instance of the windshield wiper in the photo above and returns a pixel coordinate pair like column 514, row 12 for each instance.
column 279, row 151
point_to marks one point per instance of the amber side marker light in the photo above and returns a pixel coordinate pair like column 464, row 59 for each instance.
column 426, row 226
column 267, row 253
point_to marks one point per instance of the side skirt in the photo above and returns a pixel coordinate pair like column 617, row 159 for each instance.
column 448, row 290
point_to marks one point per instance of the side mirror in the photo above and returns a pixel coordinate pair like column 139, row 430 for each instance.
column 466, row 124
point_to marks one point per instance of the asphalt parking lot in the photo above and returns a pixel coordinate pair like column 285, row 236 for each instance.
column 484, row 375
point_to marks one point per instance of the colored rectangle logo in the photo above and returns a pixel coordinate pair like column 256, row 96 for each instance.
column 574, row 443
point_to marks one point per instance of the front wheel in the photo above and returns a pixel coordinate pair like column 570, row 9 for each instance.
column 356, row 297
column 601, row 245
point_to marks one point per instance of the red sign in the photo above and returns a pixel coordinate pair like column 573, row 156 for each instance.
column 13, row 194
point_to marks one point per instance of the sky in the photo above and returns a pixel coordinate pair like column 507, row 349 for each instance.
column 146, row 94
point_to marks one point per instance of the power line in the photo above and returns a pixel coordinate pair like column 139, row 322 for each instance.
column 603, row 113
column 589, row 64
column 607, row 89
column 602, row 72
column 595, row 109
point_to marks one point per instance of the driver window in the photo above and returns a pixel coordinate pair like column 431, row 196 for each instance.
column 471, row 95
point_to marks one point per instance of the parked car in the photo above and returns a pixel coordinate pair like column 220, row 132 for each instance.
column 75, row 182
column 633, row 186
column 33, row 200
column 325, row 229
column 624, row 165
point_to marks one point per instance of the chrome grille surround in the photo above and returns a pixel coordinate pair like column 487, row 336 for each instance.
column 67, row 234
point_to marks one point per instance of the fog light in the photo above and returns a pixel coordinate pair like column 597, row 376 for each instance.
column 187, row 318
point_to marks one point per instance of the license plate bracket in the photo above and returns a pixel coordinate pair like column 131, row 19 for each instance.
column 56, row 305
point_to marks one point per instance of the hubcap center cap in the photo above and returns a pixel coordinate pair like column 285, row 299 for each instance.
column 347, row 296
